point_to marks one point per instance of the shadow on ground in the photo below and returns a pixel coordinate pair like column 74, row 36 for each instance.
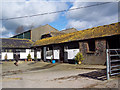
column 12, row 72
column 44, row 67
column 98, row 75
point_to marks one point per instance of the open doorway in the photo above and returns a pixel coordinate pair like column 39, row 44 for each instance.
column 113, row 42
column 61, row 53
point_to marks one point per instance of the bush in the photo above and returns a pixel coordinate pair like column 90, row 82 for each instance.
column 29, row 56
column 79, row 57
column 5, row 56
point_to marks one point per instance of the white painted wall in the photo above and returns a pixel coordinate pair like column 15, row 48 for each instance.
column 48, row 57
column 9, row 55
column 32, row 55
column 56, row 54
column 72, row 53
column 39, row 54
column 23, row 55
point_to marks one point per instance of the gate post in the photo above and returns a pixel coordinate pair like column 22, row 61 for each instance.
column 44, row 51
column 108, row 63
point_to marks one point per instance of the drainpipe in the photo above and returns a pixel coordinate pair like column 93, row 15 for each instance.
column 44, row 53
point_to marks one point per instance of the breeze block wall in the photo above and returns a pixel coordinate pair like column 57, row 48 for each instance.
column 96, row 57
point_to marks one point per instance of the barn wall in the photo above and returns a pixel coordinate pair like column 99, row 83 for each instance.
column 9, row 55
column 38, row 32
column 71, row 53
column 96, row 57
column 56, row 54
column 38, row 54
column 23, row 55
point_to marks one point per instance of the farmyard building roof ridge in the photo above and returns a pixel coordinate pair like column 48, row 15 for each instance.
column 95, row 32
column 15, row 43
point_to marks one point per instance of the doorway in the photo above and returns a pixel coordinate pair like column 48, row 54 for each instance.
column 113, row 42
column 61, row 53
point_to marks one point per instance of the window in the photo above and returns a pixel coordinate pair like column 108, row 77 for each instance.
column 45, row 36
column 32, row 50
column 20, row 50
column 3, row 50
column 91, row 44
column 49, row 53
column 27, row 35
column 23, row 50
column 49, row 48
column 17, row 50
column 9, row 50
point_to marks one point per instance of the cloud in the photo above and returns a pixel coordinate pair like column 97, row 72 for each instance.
column 77, row 24
column 5, row 32
column 93, row 16
column 2, row 30
column 17, row 9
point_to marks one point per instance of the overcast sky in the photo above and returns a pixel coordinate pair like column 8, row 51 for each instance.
column 80, row 19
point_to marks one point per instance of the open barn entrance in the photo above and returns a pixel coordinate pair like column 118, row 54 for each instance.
column 113, row 42
column 113, row 56
column 61, row 53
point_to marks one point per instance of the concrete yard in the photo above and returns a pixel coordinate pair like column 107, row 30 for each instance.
column 59, row 75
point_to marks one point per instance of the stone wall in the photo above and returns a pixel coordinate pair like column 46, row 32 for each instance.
column 95, row 57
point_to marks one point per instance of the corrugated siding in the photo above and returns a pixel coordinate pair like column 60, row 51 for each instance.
column 20, row 36
column 27, row 35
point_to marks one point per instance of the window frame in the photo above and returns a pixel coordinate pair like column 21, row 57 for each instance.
column 91, row 46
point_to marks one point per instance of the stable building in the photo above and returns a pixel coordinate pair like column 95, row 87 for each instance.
column 22, row 42
column 92, row 43
column 11, row 46
column 35, row 34
column 63, row 46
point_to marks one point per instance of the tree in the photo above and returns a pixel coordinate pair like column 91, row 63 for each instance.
column 29, row 56
column 31, row 26
column 5, row 56
column 19, row 29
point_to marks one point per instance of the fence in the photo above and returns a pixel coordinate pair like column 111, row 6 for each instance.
column 113, row 62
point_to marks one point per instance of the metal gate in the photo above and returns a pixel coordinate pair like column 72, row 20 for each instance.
column 113, row 62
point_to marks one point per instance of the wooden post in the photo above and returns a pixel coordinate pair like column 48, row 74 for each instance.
column 44, row 53
column 35, row 54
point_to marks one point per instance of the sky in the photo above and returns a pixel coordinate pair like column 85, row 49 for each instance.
column 80, row 19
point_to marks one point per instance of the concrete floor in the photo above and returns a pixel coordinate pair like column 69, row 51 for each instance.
column 47, row 75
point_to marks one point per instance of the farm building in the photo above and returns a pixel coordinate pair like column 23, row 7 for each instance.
column 92, row 43
column 70, row 30
column 42, row 32
column 62, row 46
column 21, row 43
column 35, row 34
column 11, row 46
